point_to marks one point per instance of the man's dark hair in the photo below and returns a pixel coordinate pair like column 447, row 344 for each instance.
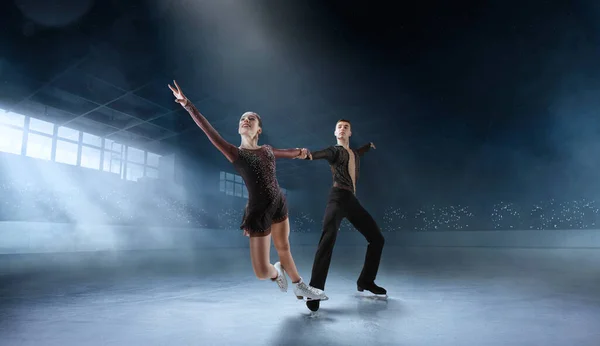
column 344, row 121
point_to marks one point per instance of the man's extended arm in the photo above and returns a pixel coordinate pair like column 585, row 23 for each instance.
column 328, row 154
column 362, row 150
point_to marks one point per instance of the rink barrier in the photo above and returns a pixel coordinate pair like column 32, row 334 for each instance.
column 38, row 237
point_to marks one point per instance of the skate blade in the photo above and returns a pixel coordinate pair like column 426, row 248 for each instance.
column 372, row 296
column 320, row 299
column 307, row 299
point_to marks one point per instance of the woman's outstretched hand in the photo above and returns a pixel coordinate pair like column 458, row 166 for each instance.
column 179, row 96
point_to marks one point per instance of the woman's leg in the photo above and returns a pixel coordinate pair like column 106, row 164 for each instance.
column 281, row 233
column 259, row 254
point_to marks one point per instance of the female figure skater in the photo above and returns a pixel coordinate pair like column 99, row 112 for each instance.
column 266, row 212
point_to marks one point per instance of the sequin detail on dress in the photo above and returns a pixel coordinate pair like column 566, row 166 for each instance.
column 266, row 202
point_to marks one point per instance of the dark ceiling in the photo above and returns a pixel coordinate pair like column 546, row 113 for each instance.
column 107, row 72
column 453, row 94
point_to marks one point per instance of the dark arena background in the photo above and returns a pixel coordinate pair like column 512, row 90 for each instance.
column 120, row 221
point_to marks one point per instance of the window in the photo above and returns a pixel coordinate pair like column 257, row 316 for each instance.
column 66, row 152
column 232, row 185
column 68, row 133
column 229, row 188
column 90, row 139
column 135, row 155
column 90, row 157
column 152, row 159
column 239, row 189
column 41, row 126
column 11, row 140
column 152, row 172
column 112, row 156
column 39, row 146
column 222, row 182
column 112, row 162
column 109, row 144
column 9, row 118
column 134, row 171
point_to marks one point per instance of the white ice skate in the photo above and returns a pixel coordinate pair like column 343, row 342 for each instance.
column 302, row 290
column 281, row 280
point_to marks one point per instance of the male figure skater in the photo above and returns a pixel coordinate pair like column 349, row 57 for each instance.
column 342, row 203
